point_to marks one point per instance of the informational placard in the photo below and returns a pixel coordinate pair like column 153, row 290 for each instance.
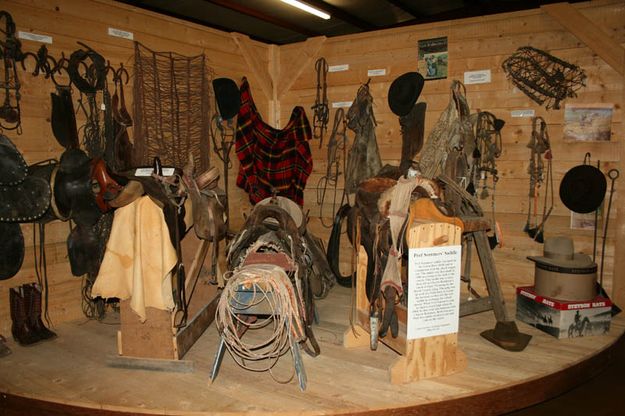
column 376, row 72
column 343, row 104
column 35, row 37
column 149, row 171
column 118, row 33
column 433, row 291
column 477, row 77
column 338, row 68
column 522, row 113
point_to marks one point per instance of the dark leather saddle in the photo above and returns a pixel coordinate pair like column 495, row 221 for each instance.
column 24, row 197
column 74, row 188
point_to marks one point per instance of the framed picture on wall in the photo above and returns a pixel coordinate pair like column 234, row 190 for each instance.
column 586, row 221
column 588, row 122
column 432, row 58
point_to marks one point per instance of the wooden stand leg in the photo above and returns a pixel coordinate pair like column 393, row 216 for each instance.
column 490, row 276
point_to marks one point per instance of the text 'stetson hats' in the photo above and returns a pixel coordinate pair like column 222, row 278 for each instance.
column 404, row 92
column 228, row 97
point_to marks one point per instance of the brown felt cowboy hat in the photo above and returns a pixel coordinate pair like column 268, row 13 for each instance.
column 559, row 252
column 507, row 336
column 563, row 274
column 404, row 92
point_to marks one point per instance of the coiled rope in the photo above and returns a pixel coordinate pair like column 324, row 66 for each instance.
column 271, row 284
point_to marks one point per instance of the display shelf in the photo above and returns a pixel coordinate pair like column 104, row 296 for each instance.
column 69, row 375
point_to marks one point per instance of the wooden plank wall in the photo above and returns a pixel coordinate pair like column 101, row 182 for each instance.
column 69, row 21
column 477, row 44
column 283, row 77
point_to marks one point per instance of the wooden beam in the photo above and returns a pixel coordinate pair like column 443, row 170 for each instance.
column 295, row 63
column 275, row 71
column 257, row 67
column 588, row 32
column 618, row 276
column 257, row 14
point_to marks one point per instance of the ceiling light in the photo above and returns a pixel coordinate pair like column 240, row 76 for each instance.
column 307, row 8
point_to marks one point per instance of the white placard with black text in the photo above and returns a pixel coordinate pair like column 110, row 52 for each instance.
column 477, row 77
column 433, row 291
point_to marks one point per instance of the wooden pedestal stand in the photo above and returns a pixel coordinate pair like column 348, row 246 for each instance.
column 426, row 357
column 156, row 344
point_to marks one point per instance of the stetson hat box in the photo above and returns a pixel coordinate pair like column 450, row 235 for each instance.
column 563, row 319
column 562, row 274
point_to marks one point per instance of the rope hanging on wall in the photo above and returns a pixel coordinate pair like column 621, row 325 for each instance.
column 171, row 108
column 543, row 77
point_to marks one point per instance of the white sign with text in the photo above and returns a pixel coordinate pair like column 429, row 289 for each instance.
column 433, row 291
column 477, row 77
column 34, row 37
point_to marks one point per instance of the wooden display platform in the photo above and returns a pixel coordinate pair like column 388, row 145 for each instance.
column 69, row 375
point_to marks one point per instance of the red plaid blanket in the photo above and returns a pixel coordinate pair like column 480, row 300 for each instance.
column 272, row 159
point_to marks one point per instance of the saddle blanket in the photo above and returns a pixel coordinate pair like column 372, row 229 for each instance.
column 139, row 259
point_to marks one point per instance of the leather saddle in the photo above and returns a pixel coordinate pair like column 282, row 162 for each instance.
column 23, row 197
column 271, row 236
column 73, row 189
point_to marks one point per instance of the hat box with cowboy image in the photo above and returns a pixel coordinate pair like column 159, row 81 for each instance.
column 564, row 301
column 563, row 319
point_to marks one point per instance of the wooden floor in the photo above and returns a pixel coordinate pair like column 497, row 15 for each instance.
column 70, row 373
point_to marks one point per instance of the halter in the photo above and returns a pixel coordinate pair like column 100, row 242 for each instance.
column 337, row 143
column 320, row 109
column 540, row 148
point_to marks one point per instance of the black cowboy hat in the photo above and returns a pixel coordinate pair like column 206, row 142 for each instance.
column 228, row 97
column 583, row 188
column 404, row 92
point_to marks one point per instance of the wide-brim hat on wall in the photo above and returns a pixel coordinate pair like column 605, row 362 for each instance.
column 228, row 97
column 404, row 92
column 583, row 188
column 563, row 274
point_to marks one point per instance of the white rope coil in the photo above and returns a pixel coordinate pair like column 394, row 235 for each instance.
column 267, row 283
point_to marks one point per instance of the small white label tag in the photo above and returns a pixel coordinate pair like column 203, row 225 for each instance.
column 35, row 37
column 103, row 107
column 477, row 77
column 340, row 104
column 522, row 113
column 118, row 33
column 376, row 72
column 338, row 68
column 148, row 171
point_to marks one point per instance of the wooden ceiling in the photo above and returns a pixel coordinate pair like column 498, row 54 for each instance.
column 273, row 21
